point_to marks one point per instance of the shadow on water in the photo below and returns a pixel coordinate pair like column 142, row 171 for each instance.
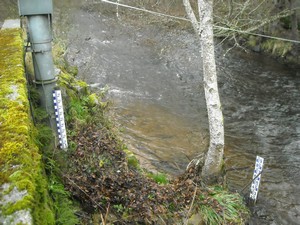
column 155, row 78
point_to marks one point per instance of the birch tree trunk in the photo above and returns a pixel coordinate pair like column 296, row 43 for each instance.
column 212, row 168
column 214, row 159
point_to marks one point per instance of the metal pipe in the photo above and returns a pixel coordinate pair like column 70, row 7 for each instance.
column 39, row 15
column 40, row 37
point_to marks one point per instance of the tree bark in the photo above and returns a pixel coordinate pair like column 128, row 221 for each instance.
column 191, row 15
column 212, row 169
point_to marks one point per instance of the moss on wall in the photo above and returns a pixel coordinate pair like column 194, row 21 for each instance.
column 23, row 187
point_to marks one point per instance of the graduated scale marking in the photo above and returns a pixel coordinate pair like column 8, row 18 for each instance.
column 60, row 119
column 256, row 177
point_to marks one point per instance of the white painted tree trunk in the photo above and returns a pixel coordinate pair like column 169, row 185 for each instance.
column 212, row 168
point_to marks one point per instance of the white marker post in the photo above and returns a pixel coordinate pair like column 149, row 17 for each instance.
column 60, row 119
column 256, row 177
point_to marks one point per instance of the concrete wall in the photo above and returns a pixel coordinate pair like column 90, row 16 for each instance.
column 23, row 187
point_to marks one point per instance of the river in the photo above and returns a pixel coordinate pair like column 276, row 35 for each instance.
column 154, row 73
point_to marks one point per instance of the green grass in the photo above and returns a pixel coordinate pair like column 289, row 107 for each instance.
column 159, row 178
column 63, row 206
column 222, row 207
column 277, row 48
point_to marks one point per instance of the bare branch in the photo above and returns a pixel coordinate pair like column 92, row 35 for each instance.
column 270, row 20
column 191, row 206
column 191, row 15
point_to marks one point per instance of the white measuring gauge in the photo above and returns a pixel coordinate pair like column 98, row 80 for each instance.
column 60, row 119
column 256, row 177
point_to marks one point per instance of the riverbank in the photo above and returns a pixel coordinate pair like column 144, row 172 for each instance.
column 112, row 187
column 105, row 177
column 154, row 74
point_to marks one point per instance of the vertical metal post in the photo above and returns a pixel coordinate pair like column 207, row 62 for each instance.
column 39, row 15
column 40, row 37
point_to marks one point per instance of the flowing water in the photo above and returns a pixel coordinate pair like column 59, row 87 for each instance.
column 155, row 79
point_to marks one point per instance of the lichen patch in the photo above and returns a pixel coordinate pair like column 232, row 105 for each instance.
column 13, row 196
column 20, row 217
column 14, row 95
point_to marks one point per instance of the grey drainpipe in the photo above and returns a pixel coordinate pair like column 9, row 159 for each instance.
column 39, row 14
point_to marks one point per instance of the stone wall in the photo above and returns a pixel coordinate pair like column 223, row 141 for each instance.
column 23, row 187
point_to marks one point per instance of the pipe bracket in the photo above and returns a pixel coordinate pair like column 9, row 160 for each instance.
column 42, row 82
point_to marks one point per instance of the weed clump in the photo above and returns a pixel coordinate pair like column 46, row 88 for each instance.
column 217, row 206
column 159, row 178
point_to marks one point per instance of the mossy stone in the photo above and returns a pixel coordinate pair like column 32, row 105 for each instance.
column 20, row 161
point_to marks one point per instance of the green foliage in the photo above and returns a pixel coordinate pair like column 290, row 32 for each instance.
column 123, row 210
column 171, row 207
column 81, row 106
column 34, row 96
column 119, row 208
column 61, row 205
column 253, row 41
column 64, row 207
column 57, row 188
column 286, row 22
column 277, row 48
column 159, row 178
column 65, row 213
column 104, row 161
column 151, row 196
column 72, row 146
column 133, row 161
column 210, row 216
column 92, row 100
column 40, row 115
column 58, row 52
column 78, row 110
column 44, row 136
column 131, row 158
column 221, row 207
